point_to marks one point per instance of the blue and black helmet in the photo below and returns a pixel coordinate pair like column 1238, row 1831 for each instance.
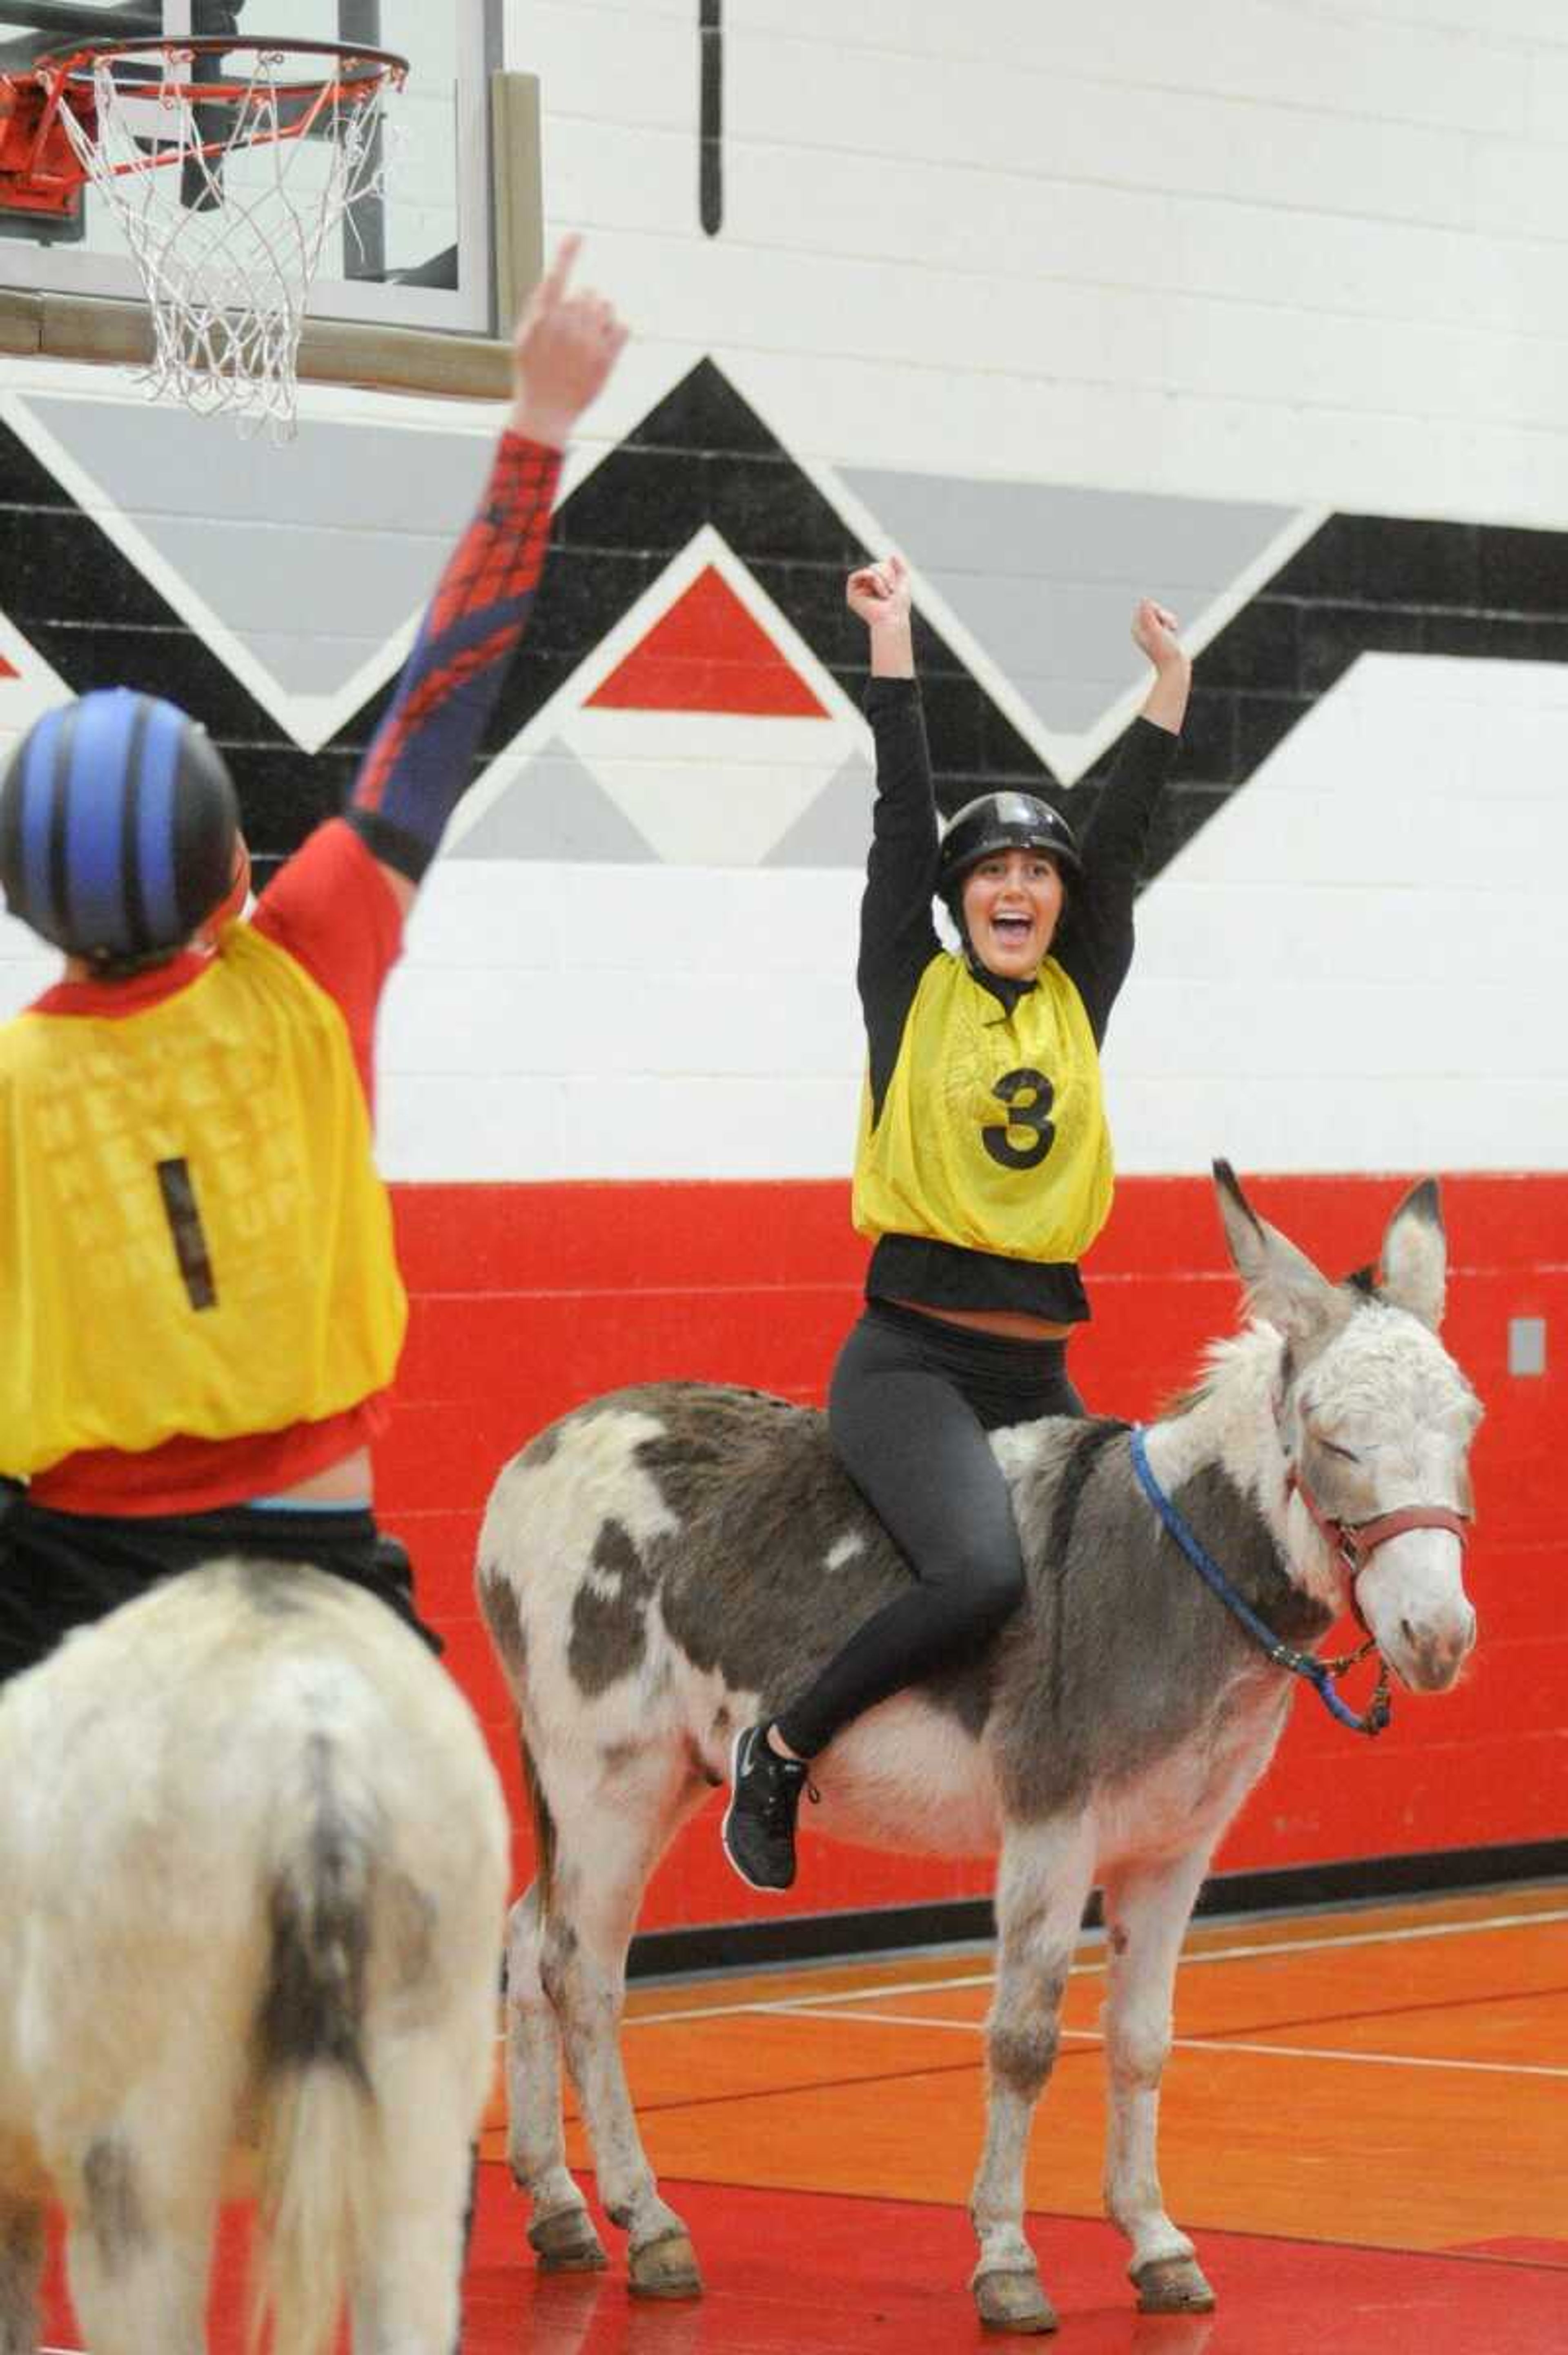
column 1002, row 822
column 117, row 828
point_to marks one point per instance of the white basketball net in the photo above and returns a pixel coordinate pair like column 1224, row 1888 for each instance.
column 226, row 207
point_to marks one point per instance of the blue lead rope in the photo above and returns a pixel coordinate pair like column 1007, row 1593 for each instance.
column 1320, row 1674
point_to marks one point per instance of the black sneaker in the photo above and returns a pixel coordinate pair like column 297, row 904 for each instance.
column 759, row 1823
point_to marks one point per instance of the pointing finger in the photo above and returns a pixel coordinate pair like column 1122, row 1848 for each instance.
column 553, row 284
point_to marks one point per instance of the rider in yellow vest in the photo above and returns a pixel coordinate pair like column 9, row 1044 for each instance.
column 983, row 1173
column 199, row 1302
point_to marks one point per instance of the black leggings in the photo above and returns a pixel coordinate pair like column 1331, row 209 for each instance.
column 912, row 1402
column 60, row 1570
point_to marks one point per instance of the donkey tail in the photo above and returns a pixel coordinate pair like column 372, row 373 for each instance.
column 545, row 1836
column 320, row 2139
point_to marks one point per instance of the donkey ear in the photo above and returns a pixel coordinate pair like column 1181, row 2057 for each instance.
column 1283, row 1286
column 1415, row 1256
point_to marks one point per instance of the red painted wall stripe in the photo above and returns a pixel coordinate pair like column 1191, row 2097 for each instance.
column 528, row 1299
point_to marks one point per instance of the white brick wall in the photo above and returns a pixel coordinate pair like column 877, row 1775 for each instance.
column 1310, row 254
column 1303, row 253
column 670, row 1022
column 1362, row 962
column 1244, row 249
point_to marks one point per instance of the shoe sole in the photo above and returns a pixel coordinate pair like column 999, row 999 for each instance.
column 764, row 1888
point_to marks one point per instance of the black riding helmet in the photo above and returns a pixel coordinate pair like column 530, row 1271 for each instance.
column 1001, row 822
column 118, row 824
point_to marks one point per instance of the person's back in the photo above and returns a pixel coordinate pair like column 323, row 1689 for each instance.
column 198, row 1266
column 197, row 1278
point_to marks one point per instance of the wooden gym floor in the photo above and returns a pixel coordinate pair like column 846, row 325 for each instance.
column 1365, row 2128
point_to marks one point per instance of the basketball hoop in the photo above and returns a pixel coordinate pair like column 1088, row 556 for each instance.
column 226, row 185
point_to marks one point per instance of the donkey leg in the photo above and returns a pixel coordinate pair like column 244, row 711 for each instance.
column 407, row 2293
column 141, row 2234
column 561, row 2230
column 21, row 2262
column 1146, row 1911
column 1043, row 1881
column 598, row 1887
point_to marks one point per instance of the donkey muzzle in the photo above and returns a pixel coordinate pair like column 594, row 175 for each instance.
column 1434, row 1654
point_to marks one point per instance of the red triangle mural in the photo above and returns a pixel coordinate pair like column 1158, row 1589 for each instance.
column 708, row 654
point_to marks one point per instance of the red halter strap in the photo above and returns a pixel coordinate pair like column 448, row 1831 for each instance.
column 1355, row 1542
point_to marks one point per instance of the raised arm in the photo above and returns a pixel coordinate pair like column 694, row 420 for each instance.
column 1094, row 944
column 420, row 762
column 897, row 938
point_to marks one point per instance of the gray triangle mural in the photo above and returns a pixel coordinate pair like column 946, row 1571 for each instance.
column 555, row 809
column 834, row 830
column 1045, row 576
column 313, row 554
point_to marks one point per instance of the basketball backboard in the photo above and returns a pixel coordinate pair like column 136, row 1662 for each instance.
column 421, row 255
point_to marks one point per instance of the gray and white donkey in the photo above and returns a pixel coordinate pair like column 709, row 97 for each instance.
column 670, row 1561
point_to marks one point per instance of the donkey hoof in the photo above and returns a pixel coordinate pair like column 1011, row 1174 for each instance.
column 1172, row 2286
column 666, row 2268
column 566, row 2243
column 1014, row 2302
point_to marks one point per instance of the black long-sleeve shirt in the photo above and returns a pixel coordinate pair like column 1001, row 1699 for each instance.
column 1093, row 946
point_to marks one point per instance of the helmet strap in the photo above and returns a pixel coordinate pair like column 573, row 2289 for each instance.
column 1002, row 987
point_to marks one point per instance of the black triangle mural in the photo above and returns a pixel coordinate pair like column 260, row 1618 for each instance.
column 1361, row 584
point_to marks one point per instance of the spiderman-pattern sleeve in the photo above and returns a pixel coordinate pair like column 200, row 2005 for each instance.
column 420, row 761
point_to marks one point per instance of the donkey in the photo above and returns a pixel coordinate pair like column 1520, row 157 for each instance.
column 669, row 1563
column 253, row 1856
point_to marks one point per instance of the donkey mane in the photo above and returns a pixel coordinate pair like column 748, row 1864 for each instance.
column 1218, row 1357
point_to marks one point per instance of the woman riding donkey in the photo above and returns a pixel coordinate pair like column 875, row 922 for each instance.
column 200, row 1302
column 984, row 1172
